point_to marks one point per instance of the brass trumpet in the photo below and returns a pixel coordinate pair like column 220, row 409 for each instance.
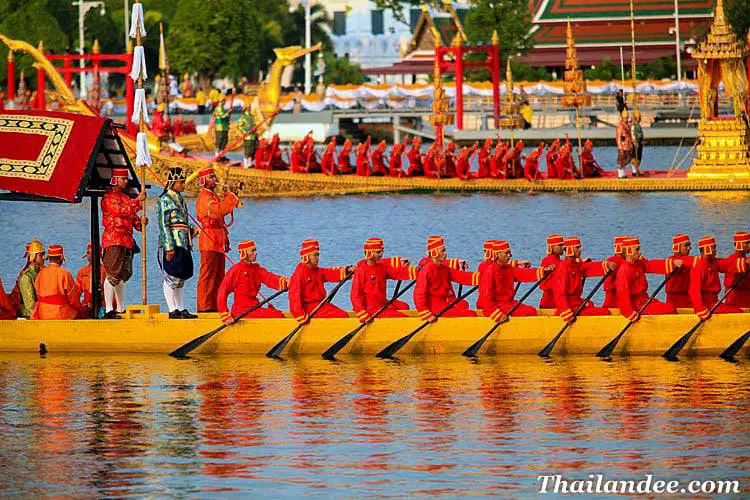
column 233, row 186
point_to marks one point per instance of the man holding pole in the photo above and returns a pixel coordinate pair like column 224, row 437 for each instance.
column 246, row 123
column 221, row 125
column 213, row 242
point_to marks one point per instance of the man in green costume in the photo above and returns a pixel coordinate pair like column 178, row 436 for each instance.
column 221, row 124
column 246, row 123
column 28, row 277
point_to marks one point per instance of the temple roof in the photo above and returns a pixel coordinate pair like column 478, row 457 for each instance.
column 616, row 33
column 556, row 11
column 431, row 22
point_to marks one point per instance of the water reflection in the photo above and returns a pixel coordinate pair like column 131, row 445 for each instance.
column 117, row 426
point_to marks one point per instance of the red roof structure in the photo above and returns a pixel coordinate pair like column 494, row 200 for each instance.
column 601, row 27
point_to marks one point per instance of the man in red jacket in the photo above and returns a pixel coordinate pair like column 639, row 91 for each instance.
column 378, row 159
column 306, row 286
column 531, row 167
column 243, row 280
column 395, row 162
column 555, row 249
column 737, row 265
column 363, row 158
column 610, row 284
column 369, row 282
column 705, row 284
column 213, row 241
column 632, row 285
column 678, row 286
column 484, row 160
column 496, row 284
column 434, row 291
column 119, row 218
column 569, row 282
column 415, row 158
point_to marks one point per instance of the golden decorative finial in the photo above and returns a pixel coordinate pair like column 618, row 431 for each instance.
column 719, row 16
column 40, row 48
column 508, row 73
column 97, row 48
column 10, row 56
column 569, row 33
column 425, row 8
column 495, row 39
column 457, row 41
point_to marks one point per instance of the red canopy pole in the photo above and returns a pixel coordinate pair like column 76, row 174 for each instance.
column 495, row 72
column 41, row 101
column 67, row 74
column 11, row 77
column 458, row 51
column 129, row 91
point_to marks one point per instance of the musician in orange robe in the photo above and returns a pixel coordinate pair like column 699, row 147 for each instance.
column 434, row 291
column 415, row 158
column 84, row 281
column 369, row 282
column 306, row 286
column 737, row 265
column 531, row 167
column 610, row 284
column 705, row 284
column 569, row 282
column 244, row 280
column 327, row 161
column 395, row 163
column 213, row 241
column 496, row 284
column 678, row 286
column 363, row 160
column 555, row 249
column 632, row 285
column 463, row 165
column 57, row 295
column 484, row 159
column 589, row 166
column 551, row 158
column 344, row 158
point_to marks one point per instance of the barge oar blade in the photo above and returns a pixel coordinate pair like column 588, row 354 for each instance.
column 732, row 350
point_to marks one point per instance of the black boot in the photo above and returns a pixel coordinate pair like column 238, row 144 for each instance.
column 175, row 314
column 111, row 315
column 188, row 315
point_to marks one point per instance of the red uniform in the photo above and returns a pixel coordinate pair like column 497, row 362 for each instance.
column 512, row 161
column 415, row 160
column 297, row 164
column 632, row 289
column 344, row 158
column 736, row 265
column 159, row 125
column 569, row 287
column 497, row 162
column 449, row 165
column 326, row 163
column 484, row 160
column 678, row 286
column 7, row 309
column 610, row 284
column 433, row 291
column 378, row 160
column 261, row 156
column 363, row 162
column 276, row 162
column 496, row 289
column 589, row 165
column 552, row 154
column 564, row 166
column 310, row 156
column 531, row 167
column 463, row 166
column 395, row 163
column 119, row 218
column 548, row 285
column 244, row 281
column 705, row 286
column 307, row 290
column 369, row 282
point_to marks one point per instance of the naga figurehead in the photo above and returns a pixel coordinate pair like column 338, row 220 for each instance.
column 270, row 90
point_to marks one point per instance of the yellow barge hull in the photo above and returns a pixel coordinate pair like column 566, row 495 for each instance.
column 152, row 332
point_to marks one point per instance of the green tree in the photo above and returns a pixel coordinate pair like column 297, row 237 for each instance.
column 738, row 13
column 663, row 67
column 605, row 71
column 340, row 71
column 510, row 18
column 29, row 21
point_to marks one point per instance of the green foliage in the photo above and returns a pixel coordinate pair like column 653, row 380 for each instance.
column 30, row 21
column 341, row 71
column 510, row 18
column 664, row 67
column 738, row 13
column 525, row 72
column 605, row 71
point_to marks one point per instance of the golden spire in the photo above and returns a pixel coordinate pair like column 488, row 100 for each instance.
column 40, row 48
column 96, row 49
column 495, row 39
column 457, row 41
column 508, row 82
column 721, row 42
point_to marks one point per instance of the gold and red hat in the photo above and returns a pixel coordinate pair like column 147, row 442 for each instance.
column 489, row 248
column 35, row 247
column 706, row 243
column 244, row 247
column 203, row 173
column 571, row 243
column 554, row 239
column 740, row 238
column 373, row 245
column 55, row 251
column 118, row 173
column 434, row 245
column 308, row 248
column 618, row 243
column 630, row 244
column 502, row 246
column 679, row 239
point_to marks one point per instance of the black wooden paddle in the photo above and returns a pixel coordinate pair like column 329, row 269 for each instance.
column 474, row 348
column 729, row 352
column 276, row 350
column 392, row 349
column 331, row 352
column 606, row 351
column 548, row 348
column 182, row 351
column 672, row 353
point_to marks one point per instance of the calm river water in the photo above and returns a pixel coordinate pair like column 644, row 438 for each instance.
column 134, row 426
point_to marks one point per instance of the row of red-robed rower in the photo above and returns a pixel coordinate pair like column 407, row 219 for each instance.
column 694, row 282
column 502, row 160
